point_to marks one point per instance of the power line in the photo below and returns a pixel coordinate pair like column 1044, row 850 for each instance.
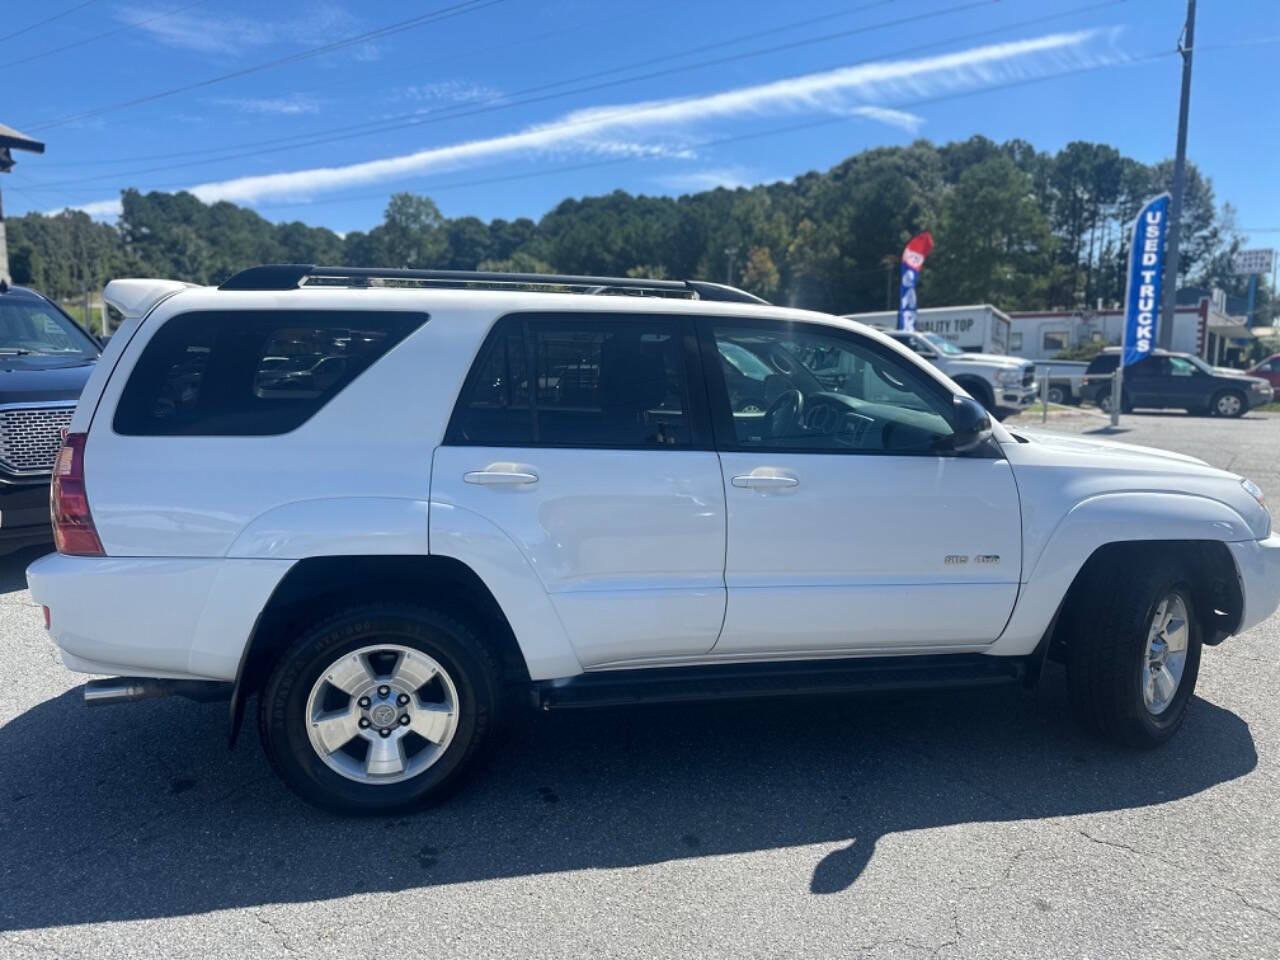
column 41, row 23
column 792, row 25
column 386, row 125
column 444, row 13
column 102, row 36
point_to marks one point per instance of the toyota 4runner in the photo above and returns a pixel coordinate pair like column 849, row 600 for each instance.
column 384, row 501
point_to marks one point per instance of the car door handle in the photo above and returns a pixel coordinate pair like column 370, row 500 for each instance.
column 499, row 477
column 766, row 481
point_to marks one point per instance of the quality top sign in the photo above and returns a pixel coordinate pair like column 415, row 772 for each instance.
column 1253, row 261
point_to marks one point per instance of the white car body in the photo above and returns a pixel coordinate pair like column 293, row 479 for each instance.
column 613, row 558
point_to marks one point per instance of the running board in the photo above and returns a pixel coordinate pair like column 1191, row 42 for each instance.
column 738, row 681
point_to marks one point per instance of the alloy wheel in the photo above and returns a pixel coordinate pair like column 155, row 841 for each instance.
column 1165, row 657
column 382, row 714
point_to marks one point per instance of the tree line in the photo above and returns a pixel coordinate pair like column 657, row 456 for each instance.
column 1014, row 226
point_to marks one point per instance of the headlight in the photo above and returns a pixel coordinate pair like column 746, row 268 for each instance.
column 1261, row 386
column 1255, row 491
column 1008, row 376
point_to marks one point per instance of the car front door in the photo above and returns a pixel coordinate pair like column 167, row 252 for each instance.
column 851, row 526
column 586, row 441
column 1186, row 385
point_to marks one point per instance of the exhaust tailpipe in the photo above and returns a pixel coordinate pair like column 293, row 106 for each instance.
column 99, row 693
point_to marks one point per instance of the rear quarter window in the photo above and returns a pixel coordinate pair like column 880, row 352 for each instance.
column 251, row 373
column 1103, row 363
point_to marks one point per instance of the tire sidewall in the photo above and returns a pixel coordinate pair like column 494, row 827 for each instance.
column 284, row 702
column 1159, row 727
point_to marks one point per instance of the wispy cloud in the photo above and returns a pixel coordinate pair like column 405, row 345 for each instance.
column 902, row 119
column 873, row 85
column 232, row 36
column 446, row 91
column 730, row 177
column 290, row 106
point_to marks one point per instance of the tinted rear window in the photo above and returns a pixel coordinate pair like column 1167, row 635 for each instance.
column 1103, row 363
column 251, row 373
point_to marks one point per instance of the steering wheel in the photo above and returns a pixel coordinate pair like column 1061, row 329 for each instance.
column 786, row 414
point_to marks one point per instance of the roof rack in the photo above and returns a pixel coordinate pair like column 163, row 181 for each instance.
column 289, row 276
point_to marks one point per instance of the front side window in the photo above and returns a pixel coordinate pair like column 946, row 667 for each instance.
column 1179, row 367
column 251, row 373
column 829, row 391
column 579, row 382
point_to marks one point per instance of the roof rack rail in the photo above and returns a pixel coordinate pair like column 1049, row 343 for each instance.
column 289, row 276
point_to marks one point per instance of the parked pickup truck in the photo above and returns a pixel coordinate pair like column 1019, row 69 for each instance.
column 1066, row 379
column 524, row 494
column 1004, row 385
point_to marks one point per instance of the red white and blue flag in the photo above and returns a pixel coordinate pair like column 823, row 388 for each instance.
column 913, row 256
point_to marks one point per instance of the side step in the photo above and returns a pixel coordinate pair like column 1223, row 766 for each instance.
column 127, row 689
column 737, row 681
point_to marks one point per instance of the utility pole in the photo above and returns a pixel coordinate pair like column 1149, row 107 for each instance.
column 730, row 253
column 1164, row 334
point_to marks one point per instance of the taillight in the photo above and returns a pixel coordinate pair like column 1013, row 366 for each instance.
column 73, row 530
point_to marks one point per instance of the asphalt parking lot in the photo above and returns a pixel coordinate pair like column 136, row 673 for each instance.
column 956, row 825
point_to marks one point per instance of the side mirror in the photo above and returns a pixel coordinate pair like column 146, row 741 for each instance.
column 972, row 425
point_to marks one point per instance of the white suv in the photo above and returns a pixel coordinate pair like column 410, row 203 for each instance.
column 385, row 501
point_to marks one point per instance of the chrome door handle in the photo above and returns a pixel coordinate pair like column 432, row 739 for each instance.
column 494, row 478
column 765, row 481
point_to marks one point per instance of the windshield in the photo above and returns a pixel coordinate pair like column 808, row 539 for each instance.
column 943, row 345
column 35, row 328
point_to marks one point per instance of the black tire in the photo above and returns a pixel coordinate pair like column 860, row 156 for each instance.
column 1057, row 395
column 282, row 707
column 979, row 391
column 1108, row 644
column 1104, row 401
column 1219, row 400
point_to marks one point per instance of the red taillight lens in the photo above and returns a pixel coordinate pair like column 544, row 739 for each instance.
column 73, row 530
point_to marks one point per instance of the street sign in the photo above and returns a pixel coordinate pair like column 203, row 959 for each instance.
column 1253, row 261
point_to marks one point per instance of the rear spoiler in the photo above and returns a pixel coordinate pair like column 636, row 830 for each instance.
column 134, row 299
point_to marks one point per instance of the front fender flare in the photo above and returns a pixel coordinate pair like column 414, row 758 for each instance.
column 1096, row 522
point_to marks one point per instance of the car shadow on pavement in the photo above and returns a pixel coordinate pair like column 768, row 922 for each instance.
column 139, row 811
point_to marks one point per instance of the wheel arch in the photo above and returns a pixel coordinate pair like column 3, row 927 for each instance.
column 977, row 388
column 1199, row 528
column 319, row 586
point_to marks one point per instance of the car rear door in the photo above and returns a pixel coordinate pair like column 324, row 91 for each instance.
column 585, row 438
column 1146, row 381
column 850, row 527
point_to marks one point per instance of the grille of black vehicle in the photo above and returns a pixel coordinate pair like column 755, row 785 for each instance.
column 30, row 437
column 1028, row 376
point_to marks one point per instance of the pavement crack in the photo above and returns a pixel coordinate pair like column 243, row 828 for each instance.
column 279, row 935
column 1256, row 907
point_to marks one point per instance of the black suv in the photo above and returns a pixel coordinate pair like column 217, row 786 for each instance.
column 1174, row 380
column 45, row 359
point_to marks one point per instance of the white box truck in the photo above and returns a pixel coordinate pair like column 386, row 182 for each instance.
column 975, row 329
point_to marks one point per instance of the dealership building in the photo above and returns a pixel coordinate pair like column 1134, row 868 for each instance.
column 1201, row 325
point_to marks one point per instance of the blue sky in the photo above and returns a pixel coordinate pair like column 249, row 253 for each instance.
column 501, row 108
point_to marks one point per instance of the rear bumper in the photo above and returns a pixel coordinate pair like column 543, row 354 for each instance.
column 1258, row 562
column 153, row 617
